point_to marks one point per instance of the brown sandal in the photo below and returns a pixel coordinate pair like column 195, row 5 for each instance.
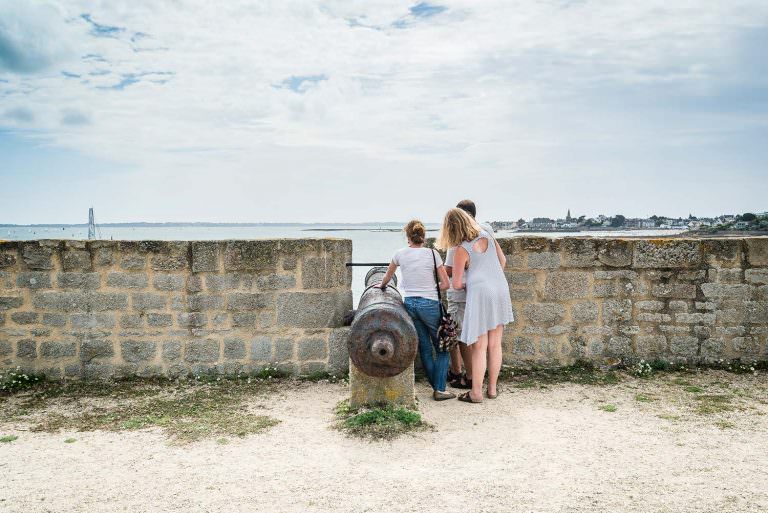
column 466, row 398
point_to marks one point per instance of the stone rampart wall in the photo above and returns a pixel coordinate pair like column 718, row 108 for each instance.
column 695, row 300
column 112, row 309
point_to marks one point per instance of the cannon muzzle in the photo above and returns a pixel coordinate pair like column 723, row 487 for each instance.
column 383, row 340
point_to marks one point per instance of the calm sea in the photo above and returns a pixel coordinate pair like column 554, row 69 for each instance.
column 370, row 243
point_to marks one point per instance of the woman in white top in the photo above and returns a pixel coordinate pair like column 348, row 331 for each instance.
column 421, row 302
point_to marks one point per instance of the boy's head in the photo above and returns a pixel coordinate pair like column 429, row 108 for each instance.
column 468, row 206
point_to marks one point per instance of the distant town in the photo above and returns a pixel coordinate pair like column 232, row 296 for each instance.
column 747, row 222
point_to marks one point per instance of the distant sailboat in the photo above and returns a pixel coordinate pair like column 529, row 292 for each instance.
column 93, row 230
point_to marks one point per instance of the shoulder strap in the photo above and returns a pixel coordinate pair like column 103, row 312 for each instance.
column 437, row 283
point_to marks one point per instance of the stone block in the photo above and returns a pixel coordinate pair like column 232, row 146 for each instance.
column 135, row 351
column 609, row 289
column 50, row 349
column 26, row 348
column 234, row 349
column 757, row 251
column 705, row 305
column 223, row 282
column 163, row 281
column 102, row 253
column 284, row 350
column 621, row 274
column 159, row 320
column 91, row 349
column 93, row 320
column 756, row 276
column 251, row 255
column 618, row 347
column 312, row 348
column 131, row 321
column 80, row 301
column 261, row 349
column 289, row 262
column 338, row 352
column 171, row 350
column 678, row 306
column 544, row 260
column 24, row 317
column 521, row 294
column 566, row 285
column 747, row 346
column 243, row 320
column 684, row 346
column 617, row 310
column 584, row 312
column 267, row 320
column 54, row 319
column 726, row 291
column 97, row 371
column 726, row 275
column 614, row 253
column 5, row 348
column 366, row 390
column 205, row 257
column 702, row 331
column 90, row 281
column 521, row 278
column 172, row 257
column 579, row 252
column 313, row 309
column 76, row 260
column 143, row 301
column 37, row 256
column 651, row 345
column 248, row 301
column 325, row 272
column 653, row 317
column 204, row 302
column 194, row 283
column 127, row 280
column 695, row 318
column 34, row 280
column 544, row 312
column 7, row 257
column 192, row 320
column 523, row 346
column 133, row 261
column 676, row 290
column 667, row 253
column 756, row 312
column 6, row 280
column 202, row 351
column 724, row 252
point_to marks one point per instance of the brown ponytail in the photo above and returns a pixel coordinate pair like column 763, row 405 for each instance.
column 415, row 231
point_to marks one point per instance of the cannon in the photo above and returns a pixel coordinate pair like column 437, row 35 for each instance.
column 383, row 341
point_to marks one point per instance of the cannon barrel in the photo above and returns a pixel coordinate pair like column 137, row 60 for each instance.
column 383, row 340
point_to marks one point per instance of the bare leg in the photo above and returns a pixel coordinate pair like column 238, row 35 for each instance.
column 455, row 360
column 494, row 357
column 479, row 350
column 466, row 355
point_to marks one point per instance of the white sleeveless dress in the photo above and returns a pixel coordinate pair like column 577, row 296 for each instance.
column 488, row 301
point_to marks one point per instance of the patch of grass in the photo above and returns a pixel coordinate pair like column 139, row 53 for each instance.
column 644, row 398
column 13, row 380
column 667, row 416
column 713, row 403
column 681, row 381
column 222, row 441
column 610, row 408
column 186, row 411
column 69, row 441
column 724, row 424
column 581, row 372
column 324, row 376
column 694, row 389
column 8, row 439
column 383, row 422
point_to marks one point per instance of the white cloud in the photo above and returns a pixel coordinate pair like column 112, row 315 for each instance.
column 512, row 93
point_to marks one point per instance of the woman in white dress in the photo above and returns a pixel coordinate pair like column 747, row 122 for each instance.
column 489, row 306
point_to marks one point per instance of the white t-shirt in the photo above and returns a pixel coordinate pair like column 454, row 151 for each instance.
column 460, row 296
column 417, row 269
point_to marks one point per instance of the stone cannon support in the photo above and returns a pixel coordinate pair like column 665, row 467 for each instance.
column 382, row 347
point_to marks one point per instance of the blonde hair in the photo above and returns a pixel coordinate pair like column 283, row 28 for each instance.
column 458, row 227
column 415, row 231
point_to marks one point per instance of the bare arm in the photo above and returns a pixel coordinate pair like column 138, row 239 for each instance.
column 460, row 260
column 390, row 271
column 500, row 254
column 443, row 275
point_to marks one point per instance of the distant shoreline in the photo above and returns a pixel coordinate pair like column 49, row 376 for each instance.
column 192, row 224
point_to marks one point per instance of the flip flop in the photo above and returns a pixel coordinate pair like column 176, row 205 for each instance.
column 494, row 396
column 466, row 398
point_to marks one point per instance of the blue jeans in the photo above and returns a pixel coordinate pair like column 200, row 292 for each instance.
column 426, row 317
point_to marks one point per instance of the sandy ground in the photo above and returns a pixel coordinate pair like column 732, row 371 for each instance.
column 531, row 450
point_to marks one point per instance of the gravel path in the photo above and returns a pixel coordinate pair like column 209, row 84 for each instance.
column 547, row 449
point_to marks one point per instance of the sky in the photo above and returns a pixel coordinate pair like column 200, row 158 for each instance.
column 357, row 111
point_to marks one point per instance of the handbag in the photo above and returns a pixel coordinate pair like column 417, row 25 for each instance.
column 446, row 331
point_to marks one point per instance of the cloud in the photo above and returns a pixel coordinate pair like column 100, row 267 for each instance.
column 577, row 96
column 20, row 114
column 73, row 117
